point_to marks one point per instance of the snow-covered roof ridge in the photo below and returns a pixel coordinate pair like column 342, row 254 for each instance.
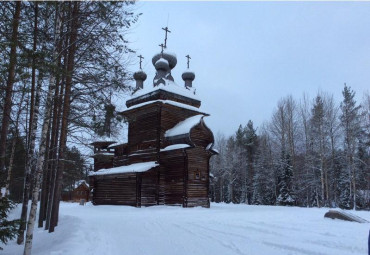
column 184, row 126
column 133, row 168
column 170, row 102
column 169, row 86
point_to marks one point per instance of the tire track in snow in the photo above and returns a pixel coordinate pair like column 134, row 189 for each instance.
column 260, row 229
column 293, row 249
column 228, row 245
column 339, row 246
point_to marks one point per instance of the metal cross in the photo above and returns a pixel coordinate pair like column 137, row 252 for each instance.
column 165, row 38
column 162, row 46
column 141, row 59
column 188, row 57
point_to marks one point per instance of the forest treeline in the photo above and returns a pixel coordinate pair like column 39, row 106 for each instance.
column 312, row 153
column 60, row 64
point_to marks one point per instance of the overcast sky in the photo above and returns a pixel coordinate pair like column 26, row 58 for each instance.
column 248, row 55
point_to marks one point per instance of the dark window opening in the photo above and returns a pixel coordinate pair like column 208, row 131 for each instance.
column 197, row 175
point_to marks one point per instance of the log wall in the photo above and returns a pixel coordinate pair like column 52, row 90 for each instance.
column 115, row 189
column 172, row 165
column 149, row 182
column 143, row 127
column 198, row 177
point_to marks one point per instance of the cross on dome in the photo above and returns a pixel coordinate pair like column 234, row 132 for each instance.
column 188, row 57
column 141, row 59
column 162, row 47
column 165, row 38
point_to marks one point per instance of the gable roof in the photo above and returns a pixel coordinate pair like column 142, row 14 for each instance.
column 184, row 126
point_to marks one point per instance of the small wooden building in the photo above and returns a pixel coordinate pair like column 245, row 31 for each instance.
column 166, row 158
column 80, row 191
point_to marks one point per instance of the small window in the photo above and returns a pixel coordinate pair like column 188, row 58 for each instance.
column 197, row 175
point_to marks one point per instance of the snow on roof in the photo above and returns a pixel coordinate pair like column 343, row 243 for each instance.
column 116, row 144
column 169, row 86
column 175, row 147
column 184, row 126
column 102, row 154
column 188, row 71
column 78, row 183
column 162, row 60
column 181, row 105
column 215, row 150
column 103, row 139
column 133, row 168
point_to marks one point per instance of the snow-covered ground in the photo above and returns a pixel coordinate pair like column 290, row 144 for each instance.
column 223, row 229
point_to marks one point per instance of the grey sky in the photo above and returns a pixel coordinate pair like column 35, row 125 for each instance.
column 247, row 55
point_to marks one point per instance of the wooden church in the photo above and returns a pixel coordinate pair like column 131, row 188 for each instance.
column 166, row 158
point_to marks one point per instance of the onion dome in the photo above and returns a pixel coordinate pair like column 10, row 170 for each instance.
column 188, row 76
column 140, row 75
column 170, row 57
column 162, row 64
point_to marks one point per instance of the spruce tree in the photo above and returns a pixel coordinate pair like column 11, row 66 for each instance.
column 350, row 120
column 286, row 196
column 8, row 228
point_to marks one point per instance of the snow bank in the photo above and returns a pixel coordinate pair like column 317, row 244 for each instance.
column 224, row 229
column 133, row 168
column 184, row 126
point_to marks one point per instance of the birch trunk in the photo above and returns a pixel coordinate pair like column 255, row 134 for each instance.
column 31, row 139
column 41, row 155
column 38, row 172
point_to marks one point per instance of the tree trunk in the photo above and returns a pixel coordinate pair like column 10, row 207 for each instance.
column 33, row 73
column 15, row 137
column 11, row 160
column 9, row 86
column 52, row 165
column 45, row 175
column 66, row 110
column 53, row 157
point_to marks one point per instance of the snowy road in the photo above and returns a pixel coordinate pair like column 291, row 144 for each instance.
column 223, row 229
